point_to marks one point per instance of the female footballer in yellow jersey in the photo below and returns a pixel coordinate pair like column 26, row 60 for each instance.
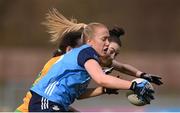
column 70, row 40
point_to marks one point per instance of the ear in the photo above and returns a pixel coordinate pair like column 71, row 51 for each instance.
column 89, row 41
column 68, row 48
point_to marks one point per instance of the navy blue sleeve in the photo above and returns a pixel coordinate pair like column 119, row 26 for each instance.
column 86, row 54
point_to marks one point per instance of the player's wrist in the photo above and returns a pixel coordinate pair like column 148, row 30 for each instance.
column 133, row 86
column 146, row 77
column 138, row 73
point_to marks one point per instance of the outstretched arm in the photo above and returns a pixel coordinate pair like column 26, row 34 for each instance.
column 126, row 68
column 95, row 71
column 92, row 92
column 130, row 70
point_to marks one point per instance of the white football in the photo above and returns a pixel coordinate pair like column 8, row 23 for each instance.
column 132, row 97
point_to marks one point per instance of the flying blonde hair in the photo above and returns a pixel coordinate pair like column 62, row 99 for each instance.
column 58, row 25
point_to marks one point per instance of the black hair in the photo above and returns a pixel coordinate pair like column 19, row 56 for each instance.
column 71, row 39
column 115, row 34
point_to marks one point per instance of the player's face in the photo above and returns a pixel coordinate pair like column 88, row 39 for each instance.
column 113, row 50
column 100, row 41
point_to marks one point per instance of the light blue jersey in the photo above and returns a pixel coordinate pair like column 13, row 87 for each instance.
column 67, row 79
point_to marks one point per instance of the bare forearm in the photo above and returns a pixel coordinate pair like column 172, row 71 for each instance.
column 95, row 71
column 126, row 68
column 114, row 82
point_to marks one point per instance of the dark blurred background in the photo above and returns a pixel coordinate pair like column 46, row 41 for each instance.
column 151, row 43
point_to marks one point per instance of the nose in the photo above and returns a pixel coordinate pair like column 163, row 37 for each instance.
column 107, row 42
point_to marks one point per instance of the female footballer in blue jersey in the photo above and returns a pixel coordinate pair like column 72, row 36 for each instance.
column 70, row 75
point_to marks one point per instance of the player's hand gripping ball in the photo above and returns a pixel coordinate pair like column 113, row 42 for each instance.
column 133, row 97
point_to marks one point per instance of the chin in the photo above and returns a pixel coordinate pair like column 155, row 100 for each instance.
column 103, row 55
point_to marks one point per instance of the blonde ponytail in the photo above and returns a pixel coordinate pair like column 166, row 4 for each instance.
column 58, row 25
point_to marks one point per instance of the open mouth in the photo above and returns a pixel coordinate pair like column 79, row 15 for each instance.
column 105, row 50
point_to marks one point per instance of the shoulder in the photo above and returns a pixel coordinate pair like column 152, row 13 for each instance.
column 86, row 54
column 51, row 62
column 89, row 50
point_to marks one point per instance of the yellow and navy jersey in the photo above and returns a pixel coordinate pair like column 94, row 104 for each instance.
column 24, row 106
